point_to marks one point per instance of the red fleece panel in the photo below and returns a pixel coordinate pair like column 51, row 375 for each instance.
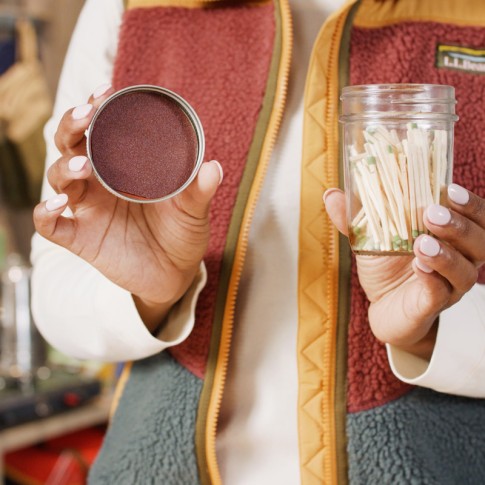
column 218, row 60
column 405, row 53
column 370, row 380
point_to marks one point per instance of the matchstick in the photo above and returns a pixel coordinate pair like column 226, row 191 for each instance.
column 395, row 180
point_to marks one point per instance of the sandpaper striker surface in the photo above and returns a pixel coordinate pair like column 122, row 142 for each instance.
column 143, row 145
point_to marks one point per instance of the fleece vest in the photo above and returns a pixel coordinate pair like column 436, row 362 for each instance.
column 357, row 423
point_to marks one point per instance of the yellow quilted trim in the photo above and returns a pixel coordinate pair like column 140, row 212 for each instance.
column 372, row 14
column 188, row 3
column 318, row 261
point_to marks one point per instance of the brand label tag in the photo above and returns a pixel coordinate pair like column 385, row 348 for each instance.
column 460, row 58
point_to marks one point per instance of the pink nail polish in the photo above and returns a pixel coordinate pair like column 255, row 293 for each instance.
column 439, row 215
column 56, row 202
column 429, row 246
column 423, row 267
column 458, row 194
column 327, row 193
column 76, row 164
column 221, row 172
column 82, row 111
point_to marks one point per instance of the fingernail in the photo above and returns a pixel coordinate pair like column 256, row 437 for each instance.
column 439, row 215
column 423, row 267
column 429, row 246
column 458, row 194
column 221, row 172
column 327, row 193
column 100, row 90
column 81, row 111
column 76, row 164
column 56, row 202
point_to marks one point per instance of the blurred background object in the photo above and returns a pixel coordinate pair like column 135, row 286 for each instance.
column 43, row 394
column 54, row 21
column 23, row 352
column 34, row 35
column 25, row 106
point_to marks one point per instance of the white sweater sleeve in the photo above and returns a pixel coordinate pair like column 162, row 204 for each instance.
column 457, row 365
column 76, row 308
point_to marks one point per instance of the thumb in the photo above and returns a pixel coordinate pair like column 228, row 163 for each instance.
column 197, row 197
column 334, row 200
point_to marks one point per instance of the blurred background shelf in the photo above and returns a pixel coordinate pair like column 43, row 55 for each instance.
column 93, row 413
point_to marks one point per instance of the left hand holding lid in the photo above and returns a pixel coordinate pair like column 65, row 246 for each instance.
column 154, row 251
column 407, row 294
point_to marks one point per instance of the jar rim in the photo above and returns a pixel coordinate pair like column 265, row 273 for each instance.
column 401, row 101
column 359, row 90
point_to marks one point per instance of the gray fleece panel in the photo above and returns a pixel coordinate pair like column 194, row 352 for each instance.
column 422, row 438
column 151, row 437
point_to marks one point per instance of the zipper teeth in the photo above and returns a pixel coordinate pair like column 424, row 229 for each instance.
column 333, row 173
column 330, row 106
column 242, row 247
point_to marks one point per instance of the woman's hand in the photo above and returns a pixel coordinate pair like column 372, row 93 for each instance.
column 152, row 250
column 407, row 294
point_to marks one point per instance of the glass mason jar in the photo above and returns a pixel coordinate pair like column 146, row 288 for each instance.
column 398, row 158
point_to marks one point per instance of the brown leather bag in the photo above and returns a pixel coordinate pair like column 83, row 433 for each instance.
column 25, row 106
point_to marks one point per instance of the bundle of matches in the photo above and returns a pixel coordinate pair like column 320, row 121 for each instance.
column 395, row 180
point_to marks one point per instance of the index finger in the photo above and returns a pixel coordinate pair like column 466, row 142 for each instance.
column 69, row 138
column 467, row 203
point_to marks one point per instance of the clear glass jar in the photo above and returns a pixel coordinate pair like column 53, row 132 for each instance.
column 398, row 157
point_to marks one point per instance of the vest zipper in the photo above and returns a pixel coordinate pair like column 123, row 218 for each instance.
column 220, row 372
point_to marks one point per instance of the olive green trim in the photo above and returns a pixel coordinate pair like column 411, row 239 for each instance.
column 343, row 281
column 230, row 247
